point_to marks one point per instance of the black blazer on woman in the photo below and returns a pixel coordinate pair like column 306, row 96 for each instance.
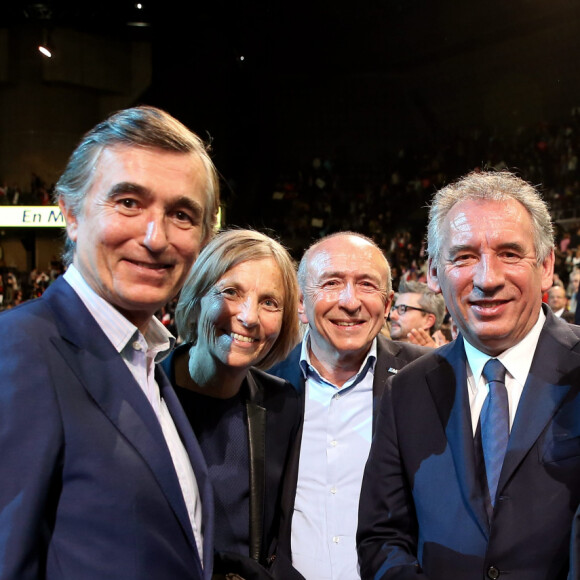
column 274, row 416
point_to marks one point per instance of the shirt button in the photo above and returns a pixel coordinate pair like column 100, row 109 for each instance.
column 334, row 443
column 333, row 490
column 493, row 573
column 336, row 539
column 137, row 345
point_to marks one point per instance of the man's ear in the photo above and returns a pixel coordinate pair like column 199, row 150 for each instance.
column 430, row 321
column 432, row 276
column 71, row 221
column 547, row 269
column 389, row 303
column 302, row 310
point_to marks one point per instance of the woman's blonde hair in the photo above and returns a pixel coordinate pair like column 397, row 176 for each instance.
column 228, row 249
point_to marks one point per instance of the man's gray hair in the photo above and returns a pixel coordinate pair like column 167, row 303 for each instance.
column 144, row 127
column 495, row 186
column 430, row 301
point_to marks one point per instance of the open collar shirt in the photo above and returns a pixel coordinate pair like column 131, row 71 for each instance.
column 335, row 445
column 141, row 352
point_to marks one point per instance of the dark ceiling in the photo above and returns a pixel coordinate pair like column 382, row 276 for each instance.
column 331, row 33
column 272, row 81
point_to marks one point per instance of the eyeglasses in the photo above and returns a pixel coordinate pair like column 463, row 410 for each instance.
column 402, row 308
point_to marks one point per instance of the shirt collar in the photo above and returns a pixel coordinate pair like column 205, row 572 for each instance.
column 367, row 365
column 116, row 327
column 517, row 359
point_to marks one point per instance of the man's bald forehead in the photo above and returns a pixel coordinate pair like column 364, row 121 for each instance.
column 338, row 242
column 346, row 243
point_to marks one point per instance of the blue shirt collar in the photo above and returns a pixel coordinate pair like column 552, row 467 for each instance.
column 308, row 369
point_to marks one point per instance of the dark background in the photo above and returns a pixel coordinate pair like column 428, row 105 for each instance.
column 356, row 82
column 368, row 87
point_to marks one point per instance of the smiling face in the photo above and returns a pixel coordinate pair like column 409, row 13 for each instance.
column 140, row 228
column 488, row 273
column 345, row 298
column 241, row 316
column 402, row 324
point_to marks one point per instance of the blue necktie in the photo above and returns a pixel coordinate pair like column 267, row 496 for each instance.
column 494, row 424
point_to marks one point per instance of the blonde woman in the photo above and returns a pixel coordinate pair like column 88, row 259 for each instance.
column 237, row 313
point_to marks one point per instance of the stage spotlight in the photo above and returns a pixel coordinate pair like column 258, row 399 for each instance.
column 45, row 50
column 138, row 16
column 45, row 47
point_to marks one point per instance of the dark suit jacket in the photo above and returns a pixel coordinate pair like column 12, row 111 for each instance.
column 274, row 415
column 88, row 489
column 422, row 511
column 575, row 548
column 391, row 357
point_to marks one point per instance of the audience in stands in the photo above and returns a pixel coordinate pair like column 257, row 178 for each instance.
column 390, row 204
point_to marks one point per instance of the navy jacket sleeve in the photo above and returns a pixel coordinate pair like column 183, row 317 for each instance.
column 387, row 530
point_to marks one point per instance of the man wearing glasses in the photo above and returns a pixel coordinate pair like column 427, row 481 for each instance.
column 416, row 308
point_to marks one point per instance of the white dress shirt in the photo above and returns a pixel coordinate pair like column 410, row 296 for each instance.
column 335, row 445
column 140, row 353
column 517, row 360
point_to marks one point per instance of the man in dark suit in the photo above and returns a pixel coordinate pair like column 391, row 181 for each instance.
column 101, row 474
column 340, row 369
column 474, row 470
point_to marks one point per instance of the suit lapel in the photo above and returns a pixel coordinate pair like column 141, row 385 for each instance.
column 382, row 373
column 448, row 386
column 386, row 366
column 256, row 414
column 199, row 469
column 545, row 389
column 105, row 376
column 291, row 478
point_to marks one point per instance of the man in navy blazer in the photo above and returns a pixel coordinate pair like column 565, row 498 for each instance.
column 101, row 475
column 426, row 509
column 340, row 370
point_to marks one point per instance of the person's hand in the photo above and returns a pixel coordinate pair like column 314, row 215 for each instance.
column 422, row 338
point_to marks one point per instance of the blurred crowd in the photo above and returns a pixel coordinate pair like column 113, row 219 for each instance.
column 39, row 192
column 17, row 287
column 382, row 200
column 389, row 205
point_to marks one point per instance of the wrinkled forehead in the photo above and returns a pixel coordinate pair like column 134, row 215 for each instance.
column 347, row 258
column 489, row 218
